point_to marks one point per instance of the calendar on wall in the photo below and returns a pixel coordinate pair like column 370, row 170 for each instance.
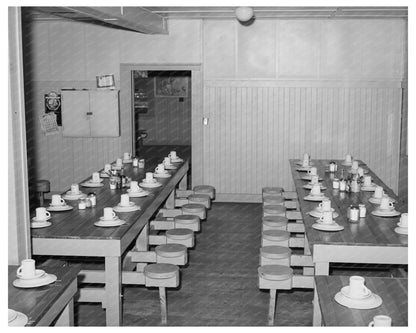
column 49, row 124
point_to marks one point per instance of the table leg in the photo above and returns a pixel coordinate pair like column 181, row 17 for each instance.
column 317, row 317
column 321, row 268
column 113, row 291
column 66, row 318
column 183, row 184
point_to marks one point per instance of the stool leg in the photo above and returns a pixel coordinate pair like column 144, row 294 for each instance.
column 272, row 306
column 162, row 296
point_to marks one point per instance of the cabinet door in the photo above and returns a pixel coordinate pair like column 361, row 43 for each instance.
column 75, row 120
column 104, row 120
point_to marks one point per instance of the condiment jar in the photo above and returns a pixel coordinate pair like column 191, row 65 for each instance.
column 93, row 198
column 333, row 166
column 363, row 210
column 342, row 185
column 81, row 204
column 354, row 213
column 135, row 162
column 335, row 183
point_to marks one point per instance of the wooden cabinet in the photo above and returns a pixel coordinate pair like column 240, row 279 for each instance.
column 90, row 113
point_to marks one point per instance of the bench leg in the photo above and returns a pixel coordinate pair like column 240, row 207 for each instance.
column 272, row 307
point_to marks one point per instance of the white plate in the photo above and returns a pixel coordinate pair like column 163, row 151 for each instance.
column 371, row 188
column 69, row 196
column 367, row 303
column 89, row 184
column 128, row 161
column 120, row 209
column 344, row 163
column 176, row 160
column 314, row 197
column 150, row 185
column 59, row 208
column 137, row 194
column 20, row 320
column 308, row 177
column 38, row 225
column 170, row 167
column 402, row 231
column 327, row 227
column 382, row 213
column 316, row 213
column 35, row 219
column 345, row 291
column 161, row 175
column 42, row 281
column 92, row 182
column 116, row 223
column 309, row 187
column 38, row 274
column 301, row 163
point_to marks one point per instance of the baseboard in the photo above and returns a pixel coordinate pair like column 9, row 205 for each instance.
column 231, row 197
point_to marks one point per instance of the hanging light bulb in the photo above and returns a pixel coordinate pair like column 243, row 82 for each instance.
column 244, row 14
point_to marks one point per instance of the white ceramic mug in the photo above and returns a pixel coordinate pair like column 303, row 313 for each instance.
column 107, row 167
column 326, row 217
column 134, row 186
column 74, row 189
column 42, row 214
column 95, row 177
column 403, row 220
column 172, row 155
column 27, row 269
column 160, row 168
column 149, row 177
column 386, row 203
column 166, row 161
column 354, row 165
column 314, row 179
column 380, row 320
column 378, row 192
column 348, row 158
column 119, row 162
column 126, row 156
column 109, row 214
column 313, row 171
column 357, row 287
column 124, row 200
column 325, row 205
column 368, row 180
column 316, row 189
column 57, row 200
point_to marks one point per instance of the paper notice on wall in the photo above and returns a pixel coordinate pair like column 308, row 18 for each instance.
column 48, row 123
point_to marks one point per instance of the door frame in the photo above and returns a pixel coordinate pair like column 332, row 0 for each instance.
column 127, row 110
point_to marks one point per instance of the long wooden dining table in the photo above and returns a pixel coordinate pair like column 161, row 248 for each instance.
column 371, row 240
column 73, row 233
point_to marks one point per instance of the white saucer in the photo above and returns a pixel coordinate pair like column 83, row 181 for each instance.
column 59, row 208
column 91, row 184
column 38, row 274
column 302, row 168
column 374, row 301
column 150, row 185
column 121, row 209
column 327, row 227
column 314, row 197
column 69, row 196
column 103, row 224
column 104, row 175
column 176, row 160
column 128, row 161
column 301, row 163
column 19, row 319
column 42, row 281
column 355, row 171
column 115, row 218
column 131, row 204
column 35, row 219
column 317, row 213
column 385, row 213
column 345, row 291
column 371, row 188
column 170, row 167
column 38, row 225
column 402, row 231
column 376, row 201
column 309, row 186
column 344, row 163
column 137, row 194
column 308, row 177
column 162, row 175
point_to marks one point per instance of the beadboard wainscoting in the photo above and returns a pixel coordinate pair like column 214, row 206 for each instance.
column 255, row 127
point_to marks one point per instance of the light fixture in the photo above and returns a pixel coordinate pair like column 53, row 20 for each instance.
column 244, row 14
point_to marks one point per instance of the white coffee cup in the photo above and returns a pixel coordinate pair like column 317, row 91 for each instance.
column 314, row 179
column 386, row 203
column 378, row 192
column 167, row 161
column 160, row 168
column 107, row 167
column 109, row 214
column 403, row 220
column 134, row 186
column 316, row 189
column 57, row 200
column 348, row 158
column 354, row 165
column 74, row 189
column 367, row 180
column 325, row 205
column 119, row 162
column 357, row 287
column 95, row 177
column 313, row 171
column 42, row 214
column 380, row 320
column 27, row 269
column 149, row 177
column 326, row 217
column 124, row 200
column 126, row 156
column 172, row 155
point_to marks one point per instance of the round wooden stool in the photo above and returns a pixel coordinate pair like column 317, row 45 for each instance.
column 275, row 255
column 162, row 276
column 205, row 189
column 273, row 200
column 42, row 187
column 272, row 191
column 275, row 237
column 274, row 222
column 274, row 277
column 171, row 254
column 274, row 210
column 187, row 221
column 180, row 236
column 195, row 209
column 203, row 199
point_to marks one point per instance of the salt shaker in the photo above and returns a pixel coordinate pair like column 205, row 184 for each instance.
column 335, row 184
column 81, row 204
column 135, row 162
column 342, row 185
column 354, row 215
column 363, row 210
column 93, row 199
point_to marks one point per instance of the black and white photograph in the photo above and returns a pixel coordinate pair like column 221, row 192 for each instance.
column 193, row 164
